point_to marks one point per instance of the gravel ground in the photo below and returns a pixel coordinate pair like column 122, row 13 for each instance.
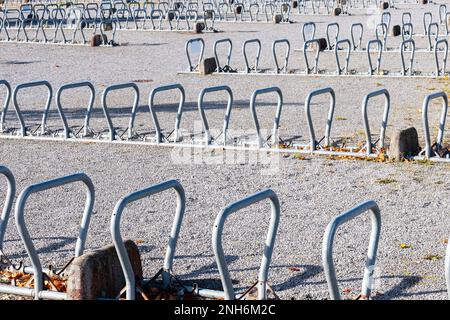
column 412, row 196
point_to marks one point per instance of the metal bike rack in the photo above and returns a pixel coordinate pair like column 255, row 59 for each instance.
column 219, row 223
column 387, row 105
column 5, row 104
column 377, row 68
column 441, row 69
column 336, row 35
column 433, row 150
column 313, row 142
column 407, row 31
column 249, row 68
column 276, row 123
column 406, row 18
column 202, row 48
column 442, row 13
column 339, row 68
column 356, row 41
column 35, row 84
column 427, row 19
column 386, row 19
column 314, row 43
column 384, row 32
column 431, row 33
column 67, row 129
column 116, row 87
column 284, row 68
column 125, row 263
column 226, row 121
column 312, row 36
column 226, row 67
column 159, row 136
column 407, row 70
column 38, row 292
column 328, row 240
column 10, row 193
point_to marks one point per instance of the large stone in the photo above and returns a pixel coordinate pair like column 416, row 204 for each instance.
column 294, row 4
column 238, row 9
column 208, row 66
column 322, row 43
column 384, row 5
column 336, row 11
column 95, row 40
column 199, row 27
column 423, row 1
column 396, row 30
column 99, row 274
column 277, row 18
column 404, row 143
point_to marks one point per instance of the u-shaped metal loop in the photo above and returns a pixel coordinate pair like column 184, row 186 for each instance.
column 328, row 240
column 407, row 70
column 116, row 87
column 339, row 68
column 429, row 152
column 286, row 55
column 10, row 193
column 328, row 91
column 306, row 45
column 23, row 230
column 384, row 31
column 427, row 20
column 5, row 103
column 336, row 37
column 201, row 109
column 441, row 69
column 47, row 104
column 249, row 68
column 430, row 34
column 313, row 31
column 188, row 55
column 268, row 248
column 356, row 41
column 216, row 56
column 276, row 122
column 387, row 105
column 175, row 231
column 151, row 98
column 84, row 84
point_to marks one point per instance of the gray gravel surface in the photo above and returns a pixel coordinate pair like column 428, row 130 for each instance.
column 413, row 197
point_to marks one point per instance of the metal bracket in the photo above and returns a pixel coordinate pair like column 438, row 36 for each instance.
column 269, row 243
column 84, row 84
column 387, row 105
column 10, row 193
column 328, row 240
column 276, row 122
column 159, row 135
column 23, row 231
column 249, row 68
column 429, row 152
column 201, row 109
column 176, row 226
column 128, row 85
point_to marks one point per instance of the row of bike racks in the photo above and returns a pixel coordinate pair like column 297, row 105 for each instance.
column 211, row 137
column 169, row 281
column 56, row 24
column 342, row 49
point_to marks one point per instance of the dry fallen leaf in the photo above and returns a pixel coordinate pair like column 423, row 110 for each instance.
column 294, row 269
column 433, row 257
column 405, row 246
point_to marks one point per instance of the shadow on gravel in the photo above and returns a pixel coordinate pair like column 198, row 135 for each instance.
column 54, row 245
column 15, row 62
column 309, row 271
column 399, row 290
